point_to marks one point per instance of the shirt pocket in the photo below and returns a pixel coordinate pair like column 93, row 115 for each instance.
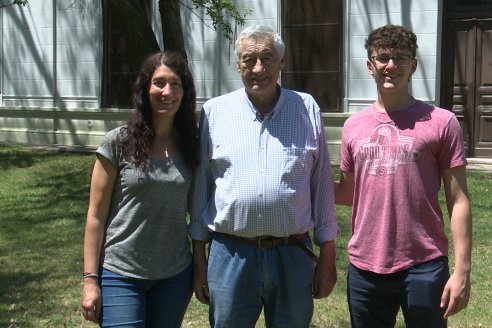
column 221, row 162
column 295, row 166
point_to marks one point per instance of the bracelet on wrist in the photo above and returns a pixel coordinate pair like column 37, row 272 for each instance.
column 90, row 275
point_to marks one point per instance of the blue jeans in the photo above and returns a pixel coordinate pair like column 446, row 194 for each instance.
column 374, row 299
column 130, row 302
column 244, row 279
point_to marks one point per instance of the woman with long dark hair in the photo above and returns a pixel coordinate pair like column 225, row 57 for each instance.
column 137, row 261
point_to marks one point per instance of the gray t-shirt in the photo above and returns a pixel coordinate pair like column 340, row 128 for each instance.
column 146, row 233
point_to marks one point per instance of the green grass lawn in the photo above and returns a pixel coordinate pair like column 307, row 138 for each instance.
column 43, row 200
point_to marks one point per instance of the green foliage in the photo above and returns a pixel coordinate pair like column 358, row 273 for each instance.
column 15, row 2
column 220, row 12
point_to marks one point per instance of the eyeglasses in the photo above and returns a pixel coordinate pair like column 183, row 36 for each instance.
column 399, row 60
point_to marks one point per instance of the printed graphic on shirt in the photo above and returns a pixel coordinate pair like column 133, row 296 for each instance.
column 384, row 150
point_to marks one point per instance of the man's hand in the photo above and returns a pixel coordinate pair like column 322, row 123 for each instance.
column 325, row 275
column 456, row 294
column 200, row 283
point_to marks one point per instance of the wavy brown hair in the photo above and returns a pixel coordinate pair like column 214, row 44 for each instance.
column 391, row 36
column 136, row 137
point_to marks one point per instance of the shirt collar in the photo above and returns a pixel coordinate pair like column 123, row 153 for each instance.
column 255, row 114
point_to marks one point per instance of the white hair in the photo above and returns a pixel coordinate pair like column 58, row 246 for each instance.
column 260, row 32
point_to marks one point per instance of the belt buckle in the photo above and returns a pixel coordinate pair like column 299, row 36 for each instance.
column 260, row 240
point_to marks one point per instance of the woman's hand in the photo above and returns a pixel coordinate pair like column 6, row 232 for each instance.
column 91, row 300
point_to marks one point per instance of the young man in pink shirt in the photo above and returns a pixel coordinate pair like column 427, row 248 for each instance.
column 394, row 155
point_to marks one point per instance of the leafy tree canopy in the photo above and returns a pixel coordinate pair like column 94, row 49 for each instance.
column 220, row 12
column 15, row 2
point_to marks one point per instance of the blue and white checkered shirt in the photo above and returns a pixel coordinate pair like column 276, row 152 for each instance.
column 269, row 177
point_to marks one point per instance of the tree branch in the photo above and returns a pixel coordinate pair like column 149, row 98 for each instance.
column 219, row 11
column 15, row 2
column 193, row 12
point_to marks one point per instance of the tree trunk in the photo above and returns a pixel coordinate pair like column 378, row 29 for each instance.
column 128, row 40
column 172, row 32
column 136, row 28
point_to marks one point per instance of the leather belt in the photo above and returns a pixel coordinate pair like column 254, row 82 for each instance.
column 268, row 242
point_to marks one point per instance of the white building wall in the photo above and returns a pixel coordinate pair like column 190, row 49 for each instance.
column 51, row 62
column 79, row 53
column 51, row 54
column 363, row 16
column 26, row 61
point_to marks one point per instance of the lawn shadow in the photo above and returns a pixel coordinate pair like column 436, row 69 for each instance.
column 18, row 157
column 13, row 290
column 48, row 182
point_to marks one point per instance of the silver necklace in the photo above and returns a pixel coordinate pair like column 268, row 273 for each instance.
column 166, row 154
column 399, row 112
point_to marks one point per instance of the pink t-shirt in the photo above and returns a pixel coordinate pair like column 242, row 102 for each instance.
column 396, row 220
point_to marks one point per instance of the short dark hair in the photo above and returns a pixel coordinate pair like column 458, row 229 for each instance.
column 391, row 36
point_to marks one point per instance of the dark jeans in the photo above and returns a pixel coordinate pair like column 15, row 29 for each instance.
column 374, row 299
